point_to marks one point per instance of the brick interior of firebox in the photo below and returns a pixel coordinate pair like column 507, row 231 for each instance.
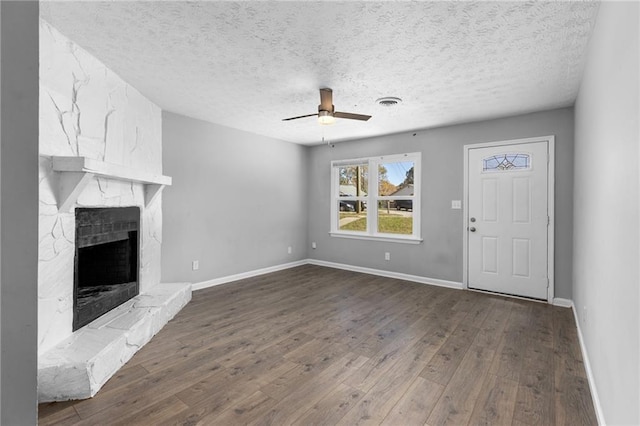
column 106, row 261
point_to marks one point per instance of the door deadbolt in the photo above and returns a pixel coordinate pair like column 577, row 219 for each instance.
column 473, row 219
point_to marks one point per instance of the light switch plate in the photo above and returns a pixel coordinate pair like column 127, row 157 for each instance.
column 456, row 204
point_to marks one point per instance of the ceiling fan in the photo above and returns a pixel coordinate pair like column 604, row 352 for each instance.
column 326, row 111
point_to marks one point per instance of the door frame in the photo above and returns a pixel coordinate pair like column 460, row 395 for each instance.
column 550, row 140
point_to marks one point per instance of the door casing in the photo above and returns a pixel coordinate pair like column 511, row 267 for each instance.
column 550, row 207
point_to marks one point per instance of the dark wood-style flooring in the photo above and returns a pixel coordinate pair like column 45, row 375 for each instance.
column 320, row 346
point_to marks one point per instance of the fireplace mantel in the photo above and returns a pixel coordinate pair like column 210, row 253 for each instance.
column 75, row 173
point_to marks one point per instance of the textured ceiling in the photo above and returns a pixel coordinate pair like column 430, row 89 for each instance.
column 247, row 65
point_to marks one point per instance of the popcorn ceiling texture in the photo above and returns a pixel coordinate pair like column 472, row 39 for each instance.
column 87, row 110
column 247, row 65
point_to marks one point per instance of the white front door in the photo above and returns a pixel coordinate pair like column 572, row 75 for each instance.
column 508, row 218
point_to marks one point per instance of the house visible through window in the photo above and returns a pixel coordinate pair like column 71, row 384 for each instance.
column 376, row 197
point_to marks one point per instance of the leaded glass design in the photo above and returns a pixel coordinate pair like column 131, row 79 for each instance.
column 506, row 162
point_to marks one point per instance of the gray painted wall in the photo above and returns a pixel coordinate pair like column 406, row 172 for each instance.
column 606, row 227
column 440, row 255
column 0, row 221
column 19, row 211
column 238, row 200
column 203, row 159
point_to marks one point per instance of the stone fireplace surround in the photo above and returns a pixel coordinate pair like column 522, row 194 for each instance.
column 78, row 366
column 100, row 145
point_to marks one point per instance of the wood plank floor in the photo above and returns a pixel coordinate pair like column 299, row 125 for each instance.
column 320, row 346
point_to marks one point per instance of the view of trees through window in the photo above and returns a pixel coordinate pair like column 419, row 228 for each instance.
column 394, row 197
column 357, row 176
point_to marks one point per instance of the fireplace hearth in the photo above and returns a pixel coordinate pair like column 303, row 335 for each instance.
column 106, row 261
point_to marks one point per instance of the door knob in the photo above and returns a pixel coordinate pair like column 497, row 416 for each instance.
column 472, row 229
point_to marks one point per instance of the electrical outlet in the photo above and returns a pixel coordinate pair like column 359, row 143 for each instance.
column 456, row 204
column 387, row 256
column 313, row 245
column 195, row 265
column 289, row 249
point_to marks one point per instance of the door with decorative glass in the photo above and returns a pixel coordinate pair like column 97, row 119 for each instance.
column 508, row 216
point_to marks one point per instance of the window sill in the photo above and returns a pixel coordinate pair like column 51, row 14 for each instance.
column 386, row 239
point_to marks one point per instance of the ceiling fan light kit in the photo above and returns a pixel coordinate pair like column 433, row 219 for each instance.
column 326, row 111
column 325, row 117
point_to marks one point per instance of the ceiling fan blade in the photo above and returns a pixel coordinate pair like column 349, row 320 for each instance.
column 326, row 100
column 300, row 116
column 351, row 116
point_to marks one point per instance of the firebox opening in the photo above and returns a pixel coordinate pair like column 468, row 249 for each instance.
column 106, row 262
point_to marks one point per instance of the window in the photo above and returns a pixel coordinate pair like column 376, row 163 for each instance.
column 376, row 198
column 506, row 162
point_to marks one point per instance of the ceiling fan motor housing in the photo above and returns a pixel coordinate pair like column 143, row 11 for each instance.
column 325, row 111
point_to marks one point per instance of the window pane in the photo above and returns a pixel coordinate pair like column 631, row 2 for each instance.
column 402, row 204
column 353, row 181
column 395, row 178
column 506, row 162
column 394, row 220
column 349, row 218
column 352, row 206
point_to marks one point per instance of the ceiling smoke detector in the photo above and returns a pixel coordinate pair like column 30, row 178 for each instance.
column 388, row 101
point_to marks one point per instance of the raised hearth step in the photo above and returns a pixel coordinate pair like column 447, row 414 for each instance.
column 79, row 366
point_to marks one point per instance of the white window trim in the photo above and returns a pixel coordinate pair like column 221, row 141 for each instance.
column 372, row 199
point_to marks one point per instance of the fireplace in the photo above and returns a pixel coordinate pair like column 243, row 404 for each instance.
column 106, row 261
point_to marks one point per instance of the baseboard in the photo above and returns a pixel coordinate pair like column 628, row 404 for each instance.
column 564, row 303
column 370, row 271
column 249, row 274
column 587, row 367
column 388, row 274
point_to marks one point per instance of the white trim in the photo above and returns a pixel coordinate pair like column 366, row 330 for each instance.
column 563, row 303
column 587, row 366
column 550, row 206
column 388, row 274
column 370, row 271
column 379, row 237
column 551, row 213
column 465, row 218
column 249, row 274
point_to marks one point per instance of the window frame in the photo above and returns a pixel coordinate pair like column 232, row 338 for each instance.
column 372, row 198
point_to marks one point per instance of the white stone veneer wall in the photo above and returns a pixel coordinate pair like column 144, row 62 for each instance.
column 87, row 110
